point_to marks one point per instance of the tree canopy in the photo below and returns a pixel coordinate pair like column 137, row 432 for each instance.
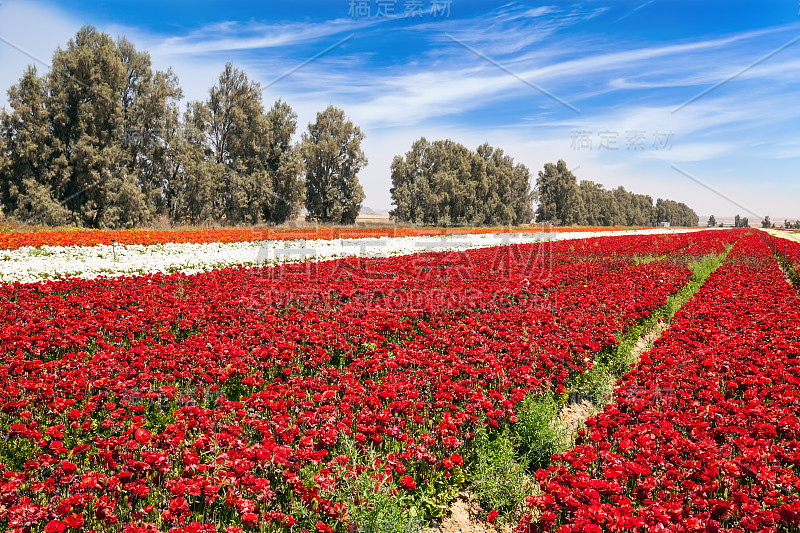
column 333, row 157
column 443, row 183
column 564, row 201
column 103, row 140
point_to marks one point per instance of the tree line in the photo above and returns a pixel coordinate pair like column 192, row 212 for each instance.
column 100, row 141
column 564, row 201
column 743, row 222
column 739, row 222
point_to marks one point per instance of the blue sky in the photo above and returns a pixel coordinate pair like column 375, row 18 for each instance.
column 695, row 101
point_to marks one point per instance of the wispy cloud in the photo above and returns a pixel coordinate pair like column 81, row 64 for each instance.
column 406, row 95
column 232, row 36
column 510, row 30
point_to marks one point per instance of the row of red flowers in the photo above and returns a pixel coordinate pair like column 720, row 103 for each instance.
column 189, row 402
column 704, row 434
column 787, row 250
column 82, row 237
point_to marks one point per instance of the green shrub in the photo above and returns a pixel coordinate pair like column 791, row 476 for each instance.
column 537, row 434
column 499, row 479
column 372, row 506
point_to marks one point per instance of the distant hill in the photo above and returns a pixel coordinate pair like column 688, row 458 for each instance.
column 369, row 212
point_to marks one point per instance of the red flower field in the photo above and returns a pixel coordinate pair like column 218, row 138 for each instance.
column 719, row 452
column 250, row 399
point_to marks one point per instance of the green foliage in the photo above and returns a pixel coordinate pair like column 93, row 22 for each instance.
column 99, row 141
column 704, row 266
column 499, row 479
column 331, row 150
column 236, row 133
column 614, row 208
column 152, row 121
column 712, row 222
column 675, row 213
column 284, row 165
column 558, row 195
column 239, row 164
column 563, row 201
column 436, row 491
column 635, row 209
column 443, row 183
column 617, row 361
column 373, row 503
column 536, row 434
column 374, row 507
column 68, row 136
column 5, row 160
column 740, row 222
column 35, row 202
column 27, row 184
column 601, row 208
column 597, row 384
column 644, row 259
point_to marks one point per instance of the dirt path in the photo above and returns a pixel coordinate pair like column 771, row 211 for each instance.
column 465, row 518
column 647, row 340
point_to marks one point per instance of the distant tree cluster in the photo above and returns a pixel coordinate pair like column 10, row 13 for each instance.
column 788, row 224
column 740, row 222
column 100, row 141
column 444, row 183
column 562, row 201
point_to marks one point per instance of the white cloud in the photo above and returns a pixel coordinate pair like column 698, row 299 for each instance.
column 237, row 36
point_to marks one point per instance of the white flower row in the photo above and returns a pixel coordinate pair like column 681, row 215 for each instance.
column 32, row 264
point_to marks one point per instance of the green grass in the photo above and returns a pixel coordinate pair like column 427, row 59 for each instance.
column 537, row 434
column 499, row 479
column 792, row 272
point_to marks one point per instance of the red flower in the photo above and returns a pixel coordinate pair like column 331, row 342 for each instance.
column 250, row 519
column 54, row 526
column 407, row 482
column 492, row 516
column 406, row 354
column 322, row 527
column 142, row 436
column 74, row 520
column 68, row 467
column 178, row 505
